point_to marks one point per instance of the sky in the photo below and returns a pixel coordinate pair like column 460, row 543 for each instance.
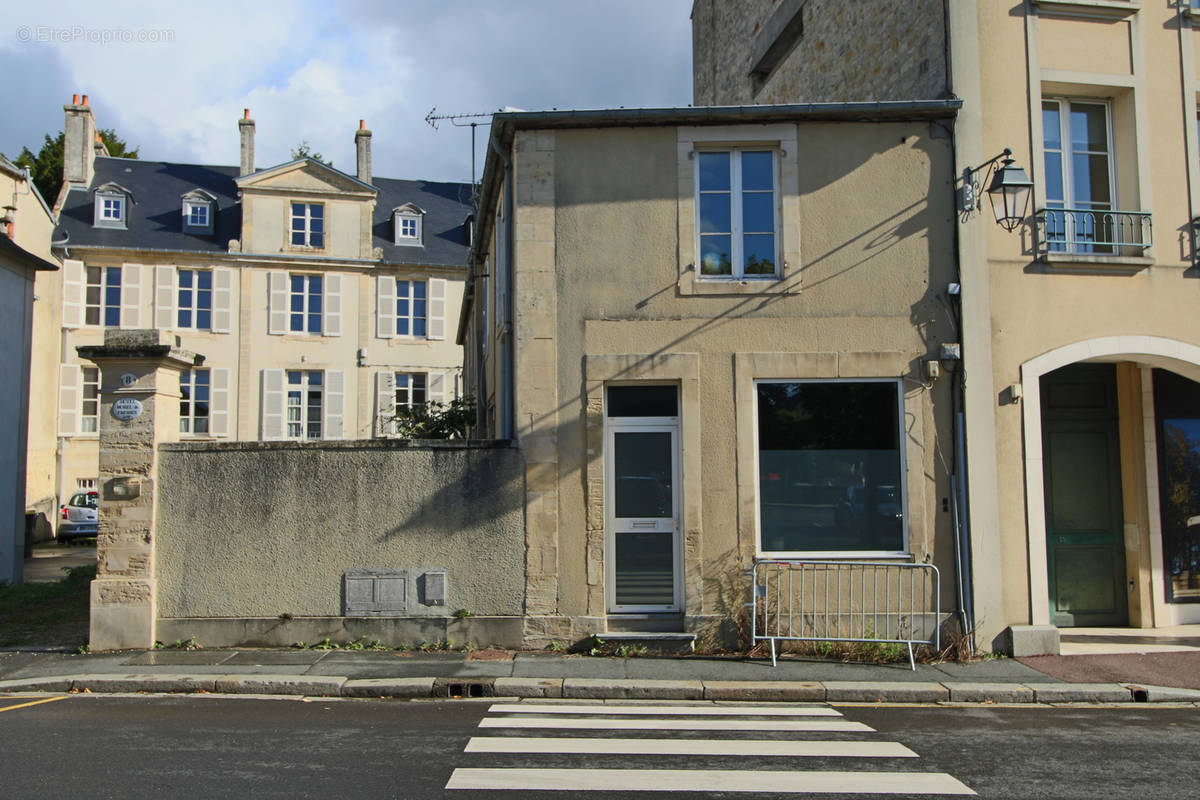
column 173, row 83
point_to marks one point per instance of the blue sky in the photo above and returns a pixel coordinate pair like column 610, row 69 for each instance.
column 174, row 83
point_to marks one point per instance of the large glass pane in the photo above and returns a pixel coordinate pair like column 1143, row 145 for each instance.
column 1090, row 180
column 1177, row 409
column 645, row 569
column 714, row 213
column 759, row 249
column 1051, row 126
column 714, row 255
column 758, row 170
column 642, row 401
column 1054, row 178
column 714, row 172
column 758, row 212
column 830, row 477
column 1089, row 127
column 642, row 475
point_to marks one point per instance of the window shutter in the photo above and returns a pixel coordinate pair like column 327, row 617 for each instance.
column 70, row 380
column 385, row 296
column 72, row 312
column 331, row 325
column 218, row 402
column 164, row 297
column 277, row 317
column 437, row 309
column 437, row 387
column 272, row 404
column 334, row 404
column 385, row 404
column 222, row 318
column 131, row 296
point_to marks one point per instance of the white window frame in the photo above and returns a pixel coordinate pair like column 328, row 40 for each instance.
column 85, row 484
column 305, row 389
column 410, row 318
column 902, row 455
column 89, row 408
column 737, row 231
column 307, row 295
column 410, row 389
column 104, row 286
column 1066, row 152
column 194, row 308
column 193, row 208
column 111, row 209
column 306, row 229
column 187, row 398
column 404, row 221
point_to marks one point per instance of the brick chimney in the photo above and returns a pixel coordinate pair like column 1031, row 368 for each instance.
column 362, row 145
column 79, row 150
column 246, row 129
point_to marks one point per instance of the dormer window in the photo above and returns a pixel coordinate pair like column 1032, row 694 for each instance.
column 407, row 224
column 198, row 212
column 112, row 205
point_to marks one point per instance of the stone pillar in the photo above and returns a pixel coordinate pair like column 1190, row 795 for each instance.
column 139, row 408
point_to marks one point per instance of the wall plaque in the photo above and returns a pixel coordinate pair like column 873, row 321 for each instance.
column 127, row 408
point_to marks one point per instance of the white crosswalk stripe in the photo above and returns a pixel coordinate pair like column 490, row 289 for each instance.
column 793, row 727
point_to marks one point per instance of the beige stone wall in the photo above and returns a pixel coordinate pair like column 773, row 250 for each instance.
column 849, row 51
column 600, row 298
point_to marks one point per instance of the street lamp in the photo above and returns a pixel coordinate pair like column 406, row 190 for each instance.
column 1008, row 191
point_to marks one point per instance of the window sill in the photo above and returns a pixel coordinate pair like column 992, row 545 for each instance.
column 1092, row 260
column 735, row 286
column 866, row 555
column 1105, row 9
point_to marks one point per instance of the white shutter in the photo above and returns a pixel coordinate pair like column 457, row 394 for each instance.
column 164, row 297
column 385, row 406
column 73, row 281
column 334, row 402
column 131, row 296
column 437, row 309
column 222, row 318
column 437, row 387
column 385, row 305
column 70, row 387
column 218, row 401
column 277, row 288
column 331, row 325
column 272, row 404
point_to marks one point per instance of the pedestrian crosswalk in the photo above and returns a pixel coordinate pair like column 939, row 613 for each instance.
column 558, row 754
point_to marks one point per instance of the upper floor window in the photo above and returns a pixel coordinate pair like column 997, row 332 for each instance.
column 308, row 225
column 198, row 206
column 407, row 223
column 306, row 297
column 737, row 213
column 195, row 299
column 1080, row 180
column 411, row 308
column 411, row 389
column 112, row 206
column 89, row 400
column 102, row 296
column 406, row 307
column 194, row 396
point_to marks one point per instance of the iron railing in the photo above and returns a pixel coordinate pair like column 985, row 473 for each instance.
column 1094, row 232
column 845, row 601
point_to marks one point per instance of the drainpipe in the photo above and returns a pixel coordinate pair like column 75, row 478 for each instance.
column 507, row 367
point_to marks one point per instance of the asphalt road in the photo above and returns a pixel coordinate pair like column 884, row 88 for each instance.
column 208, row 746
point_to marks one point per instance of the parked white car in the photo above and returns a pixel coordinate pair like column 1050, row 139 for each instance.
column 78, row 518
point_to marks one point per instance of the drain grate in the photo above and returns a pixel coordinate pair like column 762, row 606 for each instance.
column 458, row 690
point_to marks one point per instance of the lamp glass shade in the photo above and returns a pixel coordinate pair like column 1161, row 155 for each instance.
column 1009, row 195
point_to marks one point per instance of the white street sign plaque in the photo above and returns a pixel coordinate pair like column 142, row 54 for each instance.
column 127, row 408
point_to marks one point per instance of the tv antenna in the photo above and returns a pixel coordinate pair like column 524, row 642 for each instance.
column 434, row 118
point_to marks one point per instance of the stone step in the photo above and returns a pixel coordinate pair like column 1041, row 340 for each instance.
column 644, row 642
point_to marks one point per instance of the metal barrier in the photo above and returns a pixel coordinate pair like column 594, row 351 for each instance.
column 846, row 601
column 1094, row 232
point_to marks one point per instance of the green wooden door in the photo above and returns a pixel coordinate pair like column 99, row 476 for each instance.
column 1084, row 518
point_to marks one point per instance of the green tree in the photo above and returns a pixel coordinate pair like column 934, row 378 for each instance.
column 436, row 420
column 46, row 168
column 303, row 150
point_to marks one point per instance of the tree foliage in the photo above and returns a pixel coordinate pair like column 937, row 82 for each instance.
column 46, row 168
column 303, row 150
column 436, row 420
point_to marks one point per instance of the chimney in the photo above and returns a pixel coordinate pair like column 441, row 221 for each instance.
column 246, row 129
column 362, row 145
column 79, row 151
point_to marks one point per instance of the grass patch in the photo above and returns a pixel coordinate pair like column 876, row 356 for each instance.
column 46, row 614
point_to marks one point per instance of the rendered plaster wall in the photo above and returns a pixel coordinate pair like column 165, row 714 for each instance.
column 259, row 530
column 861, row 302
column 848, row 51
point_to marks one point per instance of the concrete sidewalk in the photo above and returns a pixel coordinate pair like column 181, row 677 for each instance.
column 545, row 675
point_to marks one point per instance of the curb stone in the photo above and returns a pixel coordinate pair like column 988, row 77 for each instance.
column 893, row 692
column 793, row 691
column 388, row 687
column 310, row 685
column 989, row 693
column 1080, row 693
column 60, row 684
column 528, row 687
column 603, row 688
column 170, row 684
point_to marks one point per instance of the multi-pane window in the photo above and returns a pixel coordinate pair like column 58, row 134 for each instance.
column 303, row 405
column 89, row 408
column 197, row 215
column 195, row 299
column 306, row 294
column 737, row 213
column 102, row 298
column 1079, row 176
column 830, row 466
column 411, row 310
column 195, row 395
column 110, row 210
column 308, row 225
column 411, row 389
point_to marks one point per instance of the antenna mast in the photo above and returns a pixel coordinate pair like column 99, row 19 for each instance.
column 433, row 119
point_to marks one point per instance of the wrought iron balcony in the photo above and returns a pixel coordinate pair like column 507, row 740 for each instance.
column 1077, row 231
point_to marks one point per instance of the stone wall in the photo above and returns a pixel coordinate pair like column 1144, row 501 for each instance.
column 269, row 530
column 842, row 51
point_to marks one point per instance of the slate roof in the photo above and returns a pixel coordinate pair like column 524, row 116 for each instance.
column 154, row 220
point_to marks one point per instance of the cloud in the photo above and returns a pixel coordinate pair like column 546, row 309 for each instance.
column 174, row 82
